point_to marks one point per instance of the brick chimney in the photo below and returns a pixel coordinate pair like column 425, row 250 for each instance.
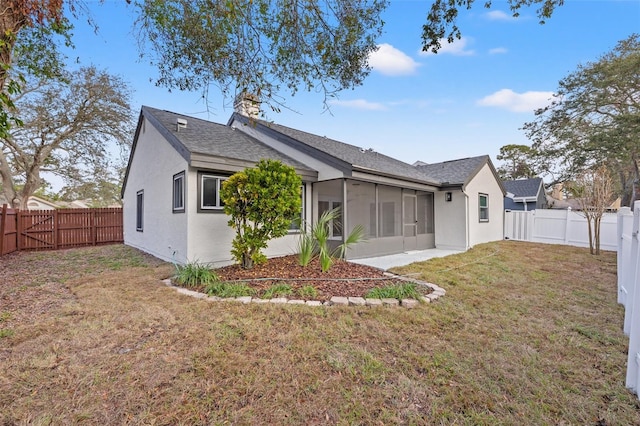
column 247, row 104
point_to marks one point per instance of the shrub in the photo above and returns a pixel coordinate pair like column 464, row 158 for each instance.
column 400, row 291
column 226, row 289
column 194, row 274
column 308, row 292
column 278, row 290
column 262, row 202
column 316, row 240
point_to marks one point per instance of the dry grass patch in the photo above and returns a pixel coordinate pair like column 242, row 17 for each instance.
column 527, row 334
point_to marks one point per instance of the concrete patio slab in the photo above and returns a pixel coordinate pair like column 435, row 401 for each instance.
column 402, row 259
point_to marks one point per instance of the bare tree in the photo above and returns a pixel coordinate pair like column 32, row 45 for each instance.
column 69, row 127
column 595, row 191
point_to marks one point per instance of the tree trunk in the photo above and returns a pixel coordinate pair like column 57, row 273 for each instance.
column 596, row 225
column 589, row 221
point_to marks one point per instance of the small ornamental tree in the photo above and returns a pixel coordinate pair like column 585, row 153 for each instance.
column 595, row 191
column 262, row 202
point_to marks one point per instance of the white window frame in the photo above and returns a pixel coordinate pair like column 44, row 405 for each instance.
column 219, row 179
column 295, row 226
column 140, row 210
column 179, row 179
column 481, row 208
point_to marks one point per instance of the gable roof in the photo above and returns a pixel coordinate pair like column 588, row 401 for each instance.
column 342, row 155
column 526, row 188
column 202, row 139
column 209, row 138
column 456, row 172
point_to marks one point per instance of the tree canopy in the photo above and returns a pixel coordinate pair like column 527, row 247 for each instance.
column 260, row 46
column 518, row 162
column 442, row 18
column 594, row 120
column 68, row 124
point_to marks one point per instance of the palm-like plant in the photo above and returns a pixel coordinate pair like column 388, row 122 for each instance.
column 315, row 240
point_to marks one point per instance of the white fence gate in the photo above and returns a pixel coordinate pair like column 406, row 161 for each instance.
column 558, row 227
column 628, row 292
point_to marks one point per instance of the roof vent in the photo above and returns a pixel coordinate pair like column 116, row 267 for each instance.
column 181, row 123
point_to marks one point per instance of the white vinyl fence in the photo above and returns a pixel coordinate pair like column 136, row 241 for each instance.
column 558, row 227
column 628, row 292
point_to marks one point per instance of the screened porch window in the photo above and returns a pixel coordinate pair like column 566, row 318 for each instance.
column 336, row 225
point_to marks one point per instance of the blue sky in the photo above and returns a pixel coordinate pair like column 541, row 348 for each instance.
column 470, row 99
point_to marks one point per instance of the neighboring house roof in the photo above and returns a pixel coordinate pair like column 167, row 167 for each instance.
column 344, row 156
column 524, row 188
column 458, row 172
column 34, row 203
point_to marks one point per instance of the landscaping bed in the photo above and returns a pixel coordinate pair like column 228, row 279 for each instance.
column 344, row 278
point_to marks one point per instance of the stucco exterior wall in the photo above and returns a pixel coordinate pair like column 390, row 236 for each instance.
column 153, row 165
column 484, row 182
column 451, row 220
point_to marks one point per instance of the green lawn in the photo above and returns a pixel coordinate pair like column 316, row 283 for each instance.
column 526, row 334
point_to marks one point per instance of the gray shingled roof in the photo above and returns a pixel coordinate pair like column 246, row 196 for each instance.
column 354, row 155
column 455, row 172
column 209, row 138
column 523, row 187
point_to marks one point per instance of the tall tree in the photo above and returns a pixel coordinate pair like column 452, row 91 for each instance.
column 27, row 27
column 518, row 162
column 442, row 18
column 594, row 120
column 68, row 126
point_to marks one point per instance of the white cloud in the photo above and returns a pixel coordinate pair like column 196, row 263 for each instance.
column 359, row 104
column 456, row 48
column 517, row 102
column 390, row 61
column 498, row 15
column 497, row 50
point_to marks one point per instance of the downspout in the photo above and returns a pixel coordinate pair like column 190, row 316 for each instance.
column 467, row 214
column 344, row 213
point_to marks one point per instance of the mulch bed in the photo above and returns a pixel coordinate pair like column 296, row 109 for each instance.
column 343, row 279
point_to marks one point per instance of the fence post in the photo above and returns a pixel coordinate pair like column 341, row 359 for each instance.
column 567, row 226
column 633, row 302
column 623, row 260
column 632, row 270
column 56, row 229
column 19, row 242
column 94, row 231
column 3, row 227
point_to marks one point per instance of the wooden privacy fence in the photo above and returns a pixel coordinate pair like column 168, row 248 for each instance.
column 57, row 229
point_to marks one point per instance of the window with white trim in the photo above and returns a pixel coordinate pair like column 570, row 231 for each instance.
column 139, row 210
column 178, row 192
column 483, row 207
column 209, row 189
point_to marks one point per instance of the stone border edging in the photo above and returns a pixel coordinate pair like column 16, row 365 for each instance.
column 437, row 293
